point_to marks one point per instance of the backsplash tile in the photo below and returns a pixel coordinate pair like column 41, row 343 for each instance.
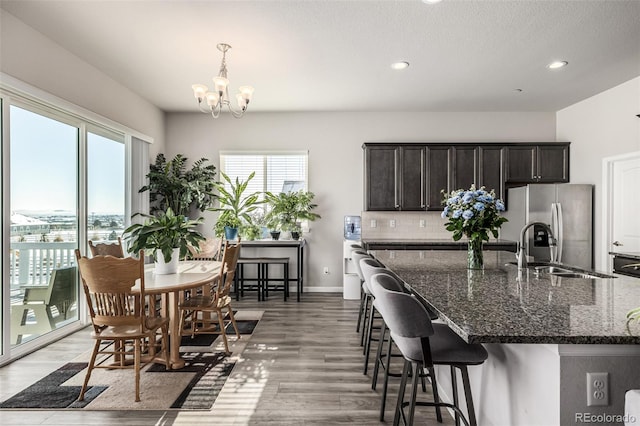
column 407, row 225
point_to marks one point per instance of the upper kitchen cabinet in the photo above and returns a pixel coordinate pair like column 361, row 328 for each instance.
column 464, row 166
column 411, row 177
column 411, row 185
column 395, row 177
column 541, row 163
column 437, row 173
column 491, row 169
column 381, row 177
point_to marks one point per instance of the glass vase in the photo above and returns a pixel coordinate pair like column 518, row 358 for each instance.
column 474, row 254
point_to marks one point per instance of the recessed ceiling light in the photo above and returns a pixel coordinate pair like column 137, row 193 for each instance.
column 400, row 65
column 557, row 64
column 431, row 1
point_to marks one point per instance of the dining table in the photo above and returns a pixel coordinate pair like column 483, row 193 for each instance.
column 171, row 287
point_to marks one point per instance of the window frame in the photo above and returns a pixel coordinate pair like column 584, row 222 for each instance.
column 14, row 92
column 265, row 154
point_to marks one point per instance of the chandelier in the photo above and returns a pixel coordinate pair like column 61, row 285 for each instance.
column 220, row 94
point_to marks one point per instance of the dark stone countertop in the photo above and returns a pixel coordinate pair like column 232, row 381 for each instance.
column 433, row 244
column 495, row 305
column 630, row 255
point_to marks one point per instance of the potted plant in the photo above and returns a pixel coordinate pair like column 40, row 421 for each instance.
column 235, row 207
column 166, row 236
column 251, row 231
column 287, row 209
column 171, row 185
column 227, row 225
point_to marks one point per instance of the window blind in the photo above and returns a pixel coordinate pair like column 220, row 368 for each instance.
column 274, row 172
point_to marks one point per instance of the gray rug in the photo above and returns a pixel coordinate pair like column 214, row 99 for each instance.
column 194, row 387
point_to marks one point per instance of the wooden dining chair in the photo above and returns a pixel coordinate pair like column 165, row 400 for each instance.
column 104, row 249
column 208, row 249
column 204, row 313
column 118, row 315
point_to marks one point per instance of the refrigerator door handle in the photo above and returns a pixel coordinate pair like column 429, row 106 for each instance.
column 557, row 230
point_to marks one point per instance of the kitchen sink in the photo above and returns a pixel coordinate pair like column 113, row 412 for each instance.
column 541, row 268
column 532, row 264
column 578, row 275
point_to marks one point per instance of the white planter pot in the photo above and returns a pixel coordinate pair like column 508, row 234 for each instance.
column 163, row 268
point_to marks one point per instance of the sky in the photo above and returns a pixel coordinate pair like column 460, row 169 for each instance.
column 44, row 166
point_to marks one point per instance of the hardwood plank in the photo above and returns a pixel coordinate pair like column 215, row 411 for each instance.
column 302, row 366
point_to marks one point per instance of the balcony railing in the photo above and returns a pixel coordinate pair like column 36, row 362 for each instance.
column 32, row 263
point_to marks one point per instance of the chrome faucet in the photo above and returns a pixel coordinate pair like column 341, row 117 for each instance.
column 521, row 255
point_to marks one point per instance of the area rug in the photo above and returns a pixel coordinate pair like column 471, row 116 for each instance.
column 194, row 387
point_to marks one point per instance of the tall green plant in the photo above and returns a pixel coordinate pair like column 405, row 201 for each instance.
column 163, row 232
column 235, row 205
column 171, row 185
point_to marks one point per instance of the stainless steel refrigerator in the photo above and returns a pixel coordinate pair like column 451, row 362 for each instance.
column 567, row 208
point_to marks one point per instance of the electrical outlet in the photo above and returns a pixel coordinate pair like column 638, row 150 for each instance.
column 325, row 270
column 392, row 223
column 597, row 389
column 423, row 223
column 374, row 223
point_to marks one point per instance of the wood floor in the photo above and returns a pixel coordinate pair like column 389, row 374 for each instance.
column 302, row 366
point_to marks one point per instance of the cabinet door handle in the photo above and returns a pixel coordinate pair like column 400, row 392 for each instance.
column 396, row 178
column 617, row 243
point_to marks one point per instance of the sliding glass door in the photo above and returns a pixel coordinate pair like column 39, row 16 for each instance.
column 106, row 193
column 43, row 283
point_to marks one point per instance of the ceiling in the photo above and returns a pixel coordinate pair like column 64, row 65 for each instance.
column 324, row 55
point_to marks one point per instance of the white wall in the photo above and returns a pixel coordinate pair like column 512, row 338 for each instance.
column 334, row 141
column 33, row 58
column 601, row 126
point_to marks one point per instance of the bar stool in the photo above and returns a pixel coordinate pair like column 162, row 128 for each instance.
column 240, row 284
column 368, row 265
column 356, row 262
column 395, row 283
column 265, row 262
column 366, row 298
column 423, row 345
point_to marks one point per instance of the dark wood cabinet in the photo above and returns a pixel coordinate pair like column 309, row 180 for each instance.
column 394, row 177
column 553, row 163
column 464, row 166
column 547, row 163
column 438, row 162
column 380, row 177
column 491, row 169
column 411, row 177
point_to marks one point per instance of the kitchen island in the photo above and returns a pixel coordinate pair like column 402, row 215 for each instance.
column 543, row 333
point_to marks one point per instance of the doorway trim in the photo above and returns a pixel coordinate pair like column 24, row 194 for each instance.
column 607, row 203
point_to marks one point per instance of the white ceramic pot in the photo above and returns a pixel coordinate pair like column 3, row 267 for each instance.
column 164, row 268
